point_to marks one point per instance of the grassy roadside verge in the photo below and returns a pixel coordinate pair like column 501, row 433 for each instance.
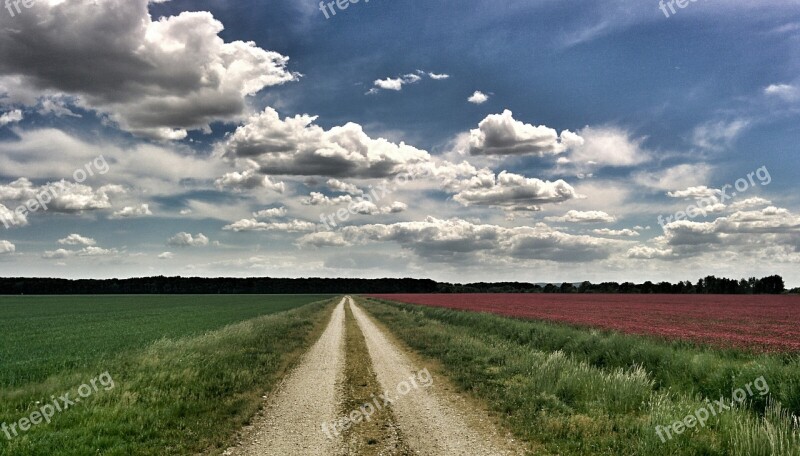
column 588, row 395
column 177, row 396
column 673, row 365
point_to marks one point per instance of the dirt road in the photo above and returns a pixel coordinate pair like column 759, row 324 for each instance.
column 308, row 397
column 413, row 414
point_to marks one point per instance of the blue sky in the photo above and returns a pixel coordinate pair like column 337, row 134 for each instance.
column 533, row 140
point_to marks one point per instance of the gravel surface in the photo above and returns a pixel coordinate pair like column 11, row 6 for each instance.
column 308, row 396
column 429, row 419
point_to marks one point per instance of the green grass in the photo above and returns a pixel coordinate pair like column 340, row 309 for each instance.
column 181, row 386
column 41, row 336
column 573, row 391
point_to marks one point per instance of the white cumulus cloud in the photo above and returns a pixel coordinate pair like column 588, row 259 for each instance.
column 478, row 98
column 142, row 210
column 77, row 239
column 184, row 239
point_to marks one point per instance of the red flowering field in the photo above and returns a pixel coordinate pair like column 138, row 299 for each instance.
column 768, row 323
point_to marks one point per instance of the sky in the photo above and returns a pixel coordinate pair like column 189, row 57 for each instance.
column 535, row 140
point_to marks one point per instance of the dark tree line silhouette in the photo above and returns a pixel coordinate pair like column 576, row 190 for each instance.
column 709, row 285
column 266, row 285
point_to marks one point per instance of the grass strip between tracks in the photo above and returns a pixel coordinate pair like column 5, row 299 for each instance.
column 380, row 434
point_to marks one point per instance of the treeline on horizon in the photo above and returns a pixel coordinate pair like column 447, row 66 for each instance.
column 265, row 285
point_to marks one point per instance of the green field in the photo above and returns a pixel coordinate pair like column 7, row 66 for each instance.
column 573, row 391
column 44, row 335
column 188, row 371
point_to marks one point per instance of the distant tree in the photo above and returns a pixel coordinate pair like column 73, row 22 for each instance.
column 744, row 287
column 770, row 285
column 567, row 288
column 585, row 287
column 700, row 287
column 609, row 287
column 550, row 288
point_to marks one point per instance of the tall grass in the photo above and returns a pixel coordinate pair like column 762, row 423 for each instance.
column 775, row 433
column 673, row 365
column 569, row 391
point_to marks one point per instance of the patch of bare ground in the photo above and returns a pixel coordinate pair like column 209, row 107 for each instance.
column 308, row 396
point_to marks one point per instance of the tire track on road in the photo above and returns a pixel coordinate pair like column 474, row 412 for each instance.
column 428, row 419
column 308, row 396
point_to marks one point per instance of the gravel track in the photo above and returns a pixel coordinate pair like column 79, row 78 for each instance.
column 429, row 420
column 308, row 396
